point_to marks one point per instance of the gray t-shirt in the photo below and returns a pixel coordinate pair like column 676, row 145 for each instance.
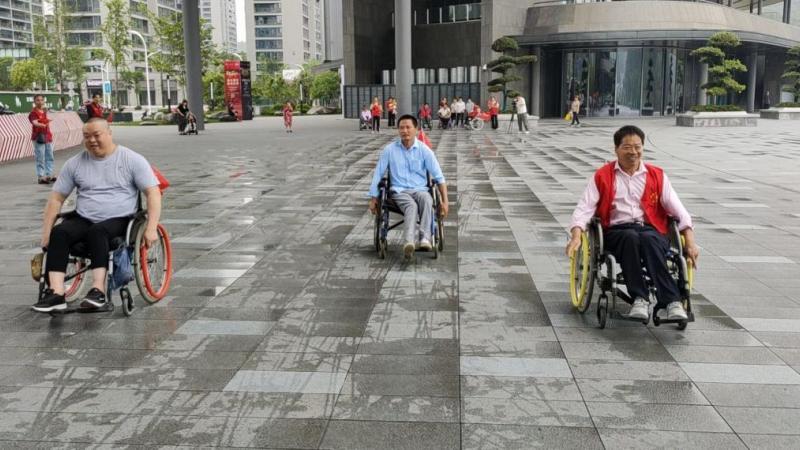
column 108, row 187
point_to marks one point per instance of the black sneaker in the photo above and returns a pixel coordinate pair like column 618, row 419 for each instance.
column 50, row 302
column 95, row 301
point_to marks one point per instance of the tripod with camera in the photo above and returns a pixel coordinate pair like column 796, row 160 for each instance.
column 513, row 115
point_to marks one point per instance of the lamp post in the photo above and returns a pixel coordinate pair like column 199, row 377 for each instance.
column 146, row 70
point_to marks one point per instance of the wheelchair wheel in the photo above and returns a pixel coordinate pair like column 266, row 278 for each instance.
column 602, row 310
column 153, row 266
column 127, row 301
column 377, row 229
column 440, row 233
column 476, row 124
column 582, row 273
column 76, row 277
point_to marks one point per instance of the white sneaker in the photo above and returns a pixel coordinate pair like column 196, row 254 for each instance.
column 408, row 250
column 527, row 132
column 640, row 309
column 425, row 245
column 675, row 311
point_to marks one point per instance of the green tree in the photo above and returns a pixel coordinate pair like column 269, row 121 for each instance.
column 63, row 62
column 326, row 87
column 5, row 70
column 25, row 73
column 268, row 66
column 504, row 66
column 168, row 32
column 217, row 77
column 275, row 89
column 722, row 66
column 115, row 32
column 131, row 79
column 791, row 72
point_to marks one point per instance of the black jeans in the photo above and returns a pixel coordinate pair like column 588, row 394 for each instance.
column 633, row 243
column 76, row 229
column 376, row 123
column 575, row 119
column 391, row 119
column 494, row 122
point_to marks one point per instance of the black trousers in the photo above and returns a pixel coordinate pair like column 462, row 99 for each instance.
column 376, row 123
column 633, row 243
column 181, row 124
column 392, row 116
column 76, row 229
column 494, row 122
column 575, row 119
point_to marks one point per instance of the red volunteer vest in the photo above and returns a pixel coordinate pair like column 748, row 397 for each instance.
column 654, row 212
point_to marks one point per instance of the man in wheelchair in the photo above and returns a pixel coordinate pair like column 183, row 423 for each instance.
column 409, row 161
column 633, row 201
column 108, row 179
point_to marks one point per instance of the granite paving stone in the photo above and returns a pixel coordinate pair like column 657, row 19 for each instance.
column 282, row 328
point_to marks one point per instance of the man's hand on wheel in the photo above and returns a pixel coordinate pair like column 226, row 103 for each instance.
column 692, row 253
column 150, row 237
column 574, row 241
column 444, row 209
column 373, row 205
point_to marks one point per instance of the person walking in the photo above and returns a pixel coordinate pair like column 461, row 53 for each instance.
column 391, row 111
column 42, row 141
column 287, row 116
column 182, row 114
column 522, row 113
column 494, row 109
column 470, row 106
column 376, row 110
column 575, row 108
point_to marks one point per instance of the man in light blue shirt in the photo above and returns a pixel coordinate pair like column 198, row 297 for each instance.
column 409, row 161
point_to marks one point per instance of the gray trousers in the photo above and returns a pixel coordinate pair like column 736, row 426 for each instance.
column 522, row 120
column 415, row 204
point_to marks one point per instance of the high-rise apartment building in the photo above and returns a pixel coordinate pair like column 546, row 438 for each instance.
column 334, row 30
column 221, row 16
column 88, row 17
column 291, row 32
column 16, row 26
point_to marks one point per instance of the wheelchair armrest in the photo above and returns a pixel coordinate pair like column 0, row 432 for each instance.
column 67, row 215
column 384, row 183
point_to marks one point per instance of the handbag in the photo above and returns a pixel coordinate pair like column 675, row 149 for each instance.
column 41, row 138
column 123, row 268
column 37, row 264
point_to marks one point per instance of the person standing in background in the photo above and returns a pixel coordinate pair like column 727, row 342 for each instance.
column 575, row 108
column 182, row 113
column 376, row 112
column 391, row 111
column 494, row 109
column 42, row 141
column 95, row 108
column 522, row 113
column 287, row 116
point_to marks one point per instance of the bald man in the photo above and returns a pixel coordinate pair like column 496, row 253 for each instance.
column 108, row 178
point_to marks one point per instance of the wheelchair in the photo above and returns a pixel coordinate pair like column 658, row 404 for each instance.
column 592, row 264
column 152, row 267
column 387, row 206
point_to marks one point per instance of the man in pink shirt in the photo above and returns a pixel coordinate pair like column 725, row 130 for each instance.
column 633, row 201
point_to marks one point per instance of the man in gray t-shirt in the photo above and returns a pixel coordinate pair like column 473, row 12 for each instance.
column 108, row 179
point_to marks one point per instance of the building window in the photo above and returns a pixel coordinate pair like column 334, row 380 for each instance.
column 268, row 20
column 269, row 32
column 262, row 44
column 267, row 7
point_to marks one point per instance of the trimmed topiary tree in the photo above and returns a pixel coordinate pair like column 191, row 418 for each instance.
column 505, row 64
column 722, row 66
column 791, row 72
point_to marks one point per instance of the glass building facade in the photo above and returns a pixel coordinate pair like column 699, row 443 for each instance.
column 625, row 81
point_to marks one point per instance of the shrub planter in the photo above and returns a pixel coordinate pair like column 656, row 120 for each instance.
column 781, row 113
column 716, row 119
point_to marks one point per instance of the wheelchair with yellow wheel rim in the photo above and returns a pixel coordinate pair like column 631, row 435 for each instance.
column 592, row 266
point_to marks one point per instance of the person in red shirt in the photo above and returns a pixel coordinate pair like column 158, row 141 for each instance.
column 376, row 110
column 494, row 108
column 95, row 108
column 42, row 141
column 391, row 111
column 425, row 116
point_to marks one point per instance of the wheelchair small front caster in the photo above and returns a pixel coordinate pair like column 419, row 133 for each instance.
column 656, row 319
column 127, row 301
column 602, row 310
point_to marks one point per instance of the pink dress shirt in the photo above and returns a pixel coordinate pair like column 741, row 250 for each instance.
column 627, row 201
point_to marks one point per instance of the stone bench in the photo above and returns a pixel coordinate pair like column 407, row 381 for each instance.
column 717, row 119
column 781, row 113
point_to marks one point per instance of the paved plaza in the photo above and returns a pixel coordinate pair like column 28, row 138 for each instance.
column 283, row 329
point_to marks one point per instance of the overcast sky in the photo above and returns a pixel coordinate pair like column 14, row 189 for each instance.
column 240, row 31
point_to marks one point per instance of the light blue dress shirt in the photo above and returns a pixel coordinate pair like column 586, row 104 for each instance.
column 407, row 167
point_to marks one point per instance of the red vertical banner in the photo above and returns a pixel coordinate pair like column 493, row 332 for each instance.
column 233, row 87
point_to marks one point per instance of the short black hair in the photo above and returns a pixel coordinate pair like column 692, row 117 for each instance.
column 37, row 96
column 95, row 95
column 407, row 117
column 627, row 130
